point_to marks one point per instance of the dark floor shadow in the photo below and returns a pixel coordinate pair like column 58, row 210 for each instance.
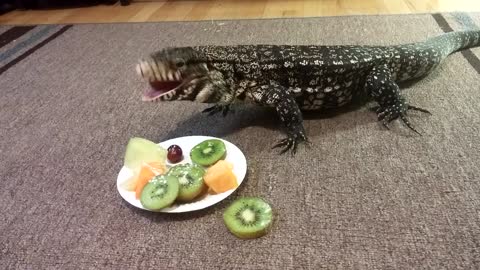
column 250, row 115
column 221, row 126
column 60, row 4
column 351, row 116
column 335, row 112
column 411, row 83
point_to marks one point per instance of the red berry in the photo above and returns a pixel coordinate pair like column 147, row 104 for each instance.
column 174, row 154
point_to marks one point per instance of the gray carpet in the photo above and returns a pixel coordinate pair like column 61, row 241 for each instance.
column 361, row 198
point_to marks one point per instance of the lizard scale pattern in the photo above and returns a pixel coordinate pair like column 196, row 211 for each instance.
column 296, row 78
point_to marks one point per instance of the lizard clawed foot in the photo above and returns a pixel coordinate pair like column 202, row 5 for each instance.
column 224, row 109
column 410, row 107
column 389, row 113
column 291, row 142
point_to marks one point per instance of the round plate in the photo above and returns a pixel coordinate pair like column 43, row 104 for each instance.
column 234, row 155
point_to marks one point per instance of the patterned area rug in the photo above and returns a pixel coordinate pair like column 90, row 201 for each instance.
column 361, row 198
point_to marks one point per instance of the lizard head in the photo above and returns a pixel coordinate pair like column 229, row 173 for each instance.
column 174, row 74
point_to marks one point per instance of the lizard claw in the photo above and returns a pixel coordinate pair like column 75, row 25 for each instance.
column 224, row 109
column 385, row 124
column 393, row 112
column 281, row 143
column 210, row 110
column 287, row 144
column 291, row 143
column 410, row 107
column 407, row 123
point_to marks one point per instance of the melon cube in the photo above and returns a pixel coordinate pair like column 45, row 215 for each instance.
column 220, row 177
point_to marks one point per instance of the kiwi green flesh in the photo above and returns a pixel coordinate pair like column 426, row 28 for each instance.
column 248, row 217
column 208, row 152
column 160, row 192
column 190, row 179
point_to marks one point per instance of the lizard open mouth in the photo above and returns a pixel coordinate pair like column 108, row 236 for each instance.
column 162, row 81
column 159, row 89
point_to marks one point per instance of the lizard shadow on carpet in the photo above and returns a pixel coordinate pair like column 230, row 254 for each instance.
column 250, row 116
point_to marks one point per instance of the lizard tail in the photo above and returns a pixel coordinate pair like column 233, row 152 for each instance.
column 455, row 41
column 422, row 58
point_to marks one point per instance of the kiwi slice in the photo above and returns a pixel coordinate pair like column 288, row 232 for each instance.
column 190, row 178
column 248, row 217
column 208, row 152
column 160, row 192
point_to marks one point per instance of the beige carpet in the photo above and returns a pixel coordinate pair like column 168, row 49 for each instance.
column 361, row 198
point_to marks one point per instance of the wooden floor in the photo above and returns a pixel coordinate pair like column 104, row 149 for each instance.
column 178, row 10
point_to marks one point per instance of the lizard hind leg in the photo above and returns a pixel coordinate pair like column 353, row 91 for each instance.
column 391, row 104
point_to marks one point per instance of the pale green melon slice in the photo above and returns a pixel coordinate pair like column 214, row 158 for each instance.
column 141, row 150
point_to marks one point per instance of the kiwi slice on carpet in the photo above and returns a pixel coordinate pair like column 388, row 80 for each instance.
column 248, row 217
column 160, row 192
column 208, row 152
column 190, row 178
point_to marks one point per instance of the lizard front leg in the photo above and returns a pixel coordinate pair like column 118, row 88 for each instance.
column 274, row 95
column 223, row 95
column 392, row 105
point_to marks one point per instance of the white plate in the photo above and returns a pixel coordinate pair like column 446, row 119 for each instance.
column 234, row 155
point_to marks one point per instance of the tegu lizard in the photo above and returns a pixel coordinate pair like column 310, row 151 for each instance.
column 296, row 78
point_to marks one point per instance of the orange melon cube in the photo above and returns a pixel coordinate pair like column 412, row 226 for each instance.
column 147, row 172
column 220, row 177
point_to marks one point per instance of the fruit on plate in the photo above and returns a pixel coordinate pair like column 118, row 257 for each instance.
column 220, row 177
column 208, row 152
column 147, row 172
column 175, row 153
column 160, row 192
column 141, row 150
column 248, row 217
column 138, row 152
column 190, row 178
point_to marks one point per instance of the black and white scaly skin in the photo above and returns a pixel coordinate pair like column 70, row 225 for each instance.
column 293, row 79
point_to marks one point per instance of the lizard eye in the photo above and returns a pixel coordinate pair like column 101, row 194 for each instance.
column 179, row 63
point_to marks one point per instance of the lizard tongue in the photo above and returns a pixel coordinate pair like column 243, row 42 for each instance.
column 157, row 89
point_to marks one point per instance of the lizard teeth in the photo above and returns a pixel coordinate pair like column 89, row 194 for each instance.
column 146, row 72
column 156, row 72
column 170, row 76
column 177, row 76
column 163, row 73
column 138, row 68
